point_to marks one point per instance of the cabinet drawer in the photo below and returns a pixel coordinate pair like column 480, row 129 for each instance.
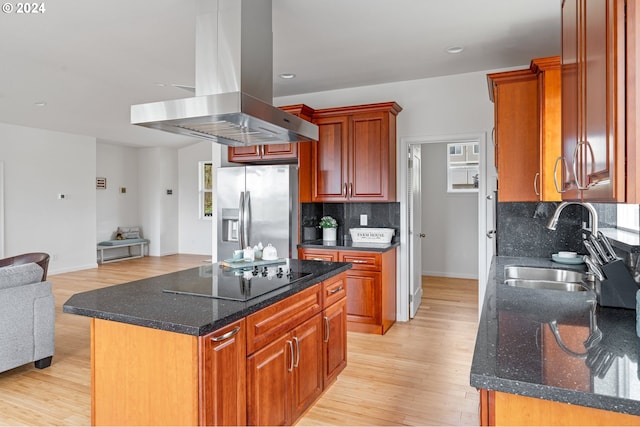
column 334, row 289
column 266, row 324
column 318, row 255
column 363, row 260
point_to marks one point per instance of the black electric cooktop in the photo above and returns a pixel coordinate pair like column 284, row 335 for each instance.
column 238, row 284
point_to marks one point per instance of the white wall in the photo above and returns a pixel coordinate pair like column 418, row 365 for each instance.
column 119, row 164
column 158, row 172
column 39, row 165
column 449, row 220
column 196, row 234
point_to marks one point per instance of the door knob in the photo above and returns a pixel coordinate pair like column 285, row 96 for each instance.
column 422, row 235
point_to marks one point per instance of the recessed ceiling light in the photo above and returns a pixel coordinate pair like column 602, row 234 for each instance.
column 287, row 76
column 455, row 49
column 40, row 104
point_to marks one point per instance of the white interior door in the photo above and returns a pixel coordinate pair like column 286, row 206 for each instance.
column 414, row 188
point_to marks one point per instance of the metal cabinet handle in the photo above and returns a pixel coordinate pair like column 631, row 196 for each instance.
column 344, row 190
column 555, row 174
column 297, row 362
column 317, row 259
column 491, row 233
column 535, row 183
column 327, row 329
column 358, row 261
column 575, row 163
column 350, row 190
column 336, row 290
column 291, row 353
column 227, row 335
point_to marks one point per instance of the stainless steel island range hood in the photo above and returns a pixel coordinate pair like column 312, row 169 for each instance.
column 234, row 82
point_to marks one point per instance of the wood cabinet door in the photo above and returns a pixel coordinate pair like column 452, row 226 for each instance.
column 307, row 366
column 550, row 107
column 334, row 345
column 603, row 105
column 330, row 159
column 517, row 135
column 279, row 151
column 269, row 383
column 363, row 297
column 369, row 152
column 223, row 357
column 249, row 153
column 571, row 94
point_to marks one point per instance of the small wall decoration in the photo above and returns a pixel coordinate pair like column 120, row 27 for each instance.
column 101, row 183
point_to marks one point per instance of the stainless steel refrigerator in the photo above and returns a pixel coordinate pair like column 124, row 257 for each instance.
column 257, row 204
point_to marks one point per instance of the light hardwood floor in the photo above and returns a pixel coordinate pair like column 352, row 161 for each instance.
column 416, row 374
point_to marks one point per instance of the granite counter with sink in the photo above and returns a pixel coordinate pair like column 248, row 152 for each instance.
column 545, row 344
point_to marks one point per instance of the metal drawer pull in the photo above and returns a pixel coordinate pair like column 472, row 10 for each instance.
column 297, row 362
column 336, row 290
column 317, row 259
column 291, row 353
column 327, row 329
column 535, row 183
column 359, row 261
column 227, row 335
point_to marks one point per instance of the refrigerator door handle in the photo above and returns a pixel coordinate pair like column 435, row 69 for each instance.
column 247, row 218
column 241, row 221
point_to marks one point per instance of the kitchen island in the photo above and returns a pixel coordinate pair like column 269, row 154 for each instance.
column 532, row 365
column 167, row 358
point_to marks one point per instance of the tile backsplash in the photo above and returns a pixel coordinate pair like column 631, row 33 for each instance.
column 379, row 215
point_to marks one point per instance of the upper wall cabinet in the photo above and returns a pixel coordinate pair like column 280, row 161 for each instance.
column 354, row 158
column 527, row 130
column 272, row 153
column 599, row 100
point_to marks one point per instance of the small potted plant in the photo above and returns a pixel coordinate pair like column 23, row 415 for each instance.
column 329, row 226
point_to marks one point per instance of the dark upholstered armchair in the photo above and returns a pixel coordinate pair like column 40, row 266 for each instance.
column 40, row 258
column 27, row 312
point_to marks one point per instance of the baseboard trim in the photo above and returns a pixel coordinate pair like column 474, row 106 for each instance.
column 451, row 275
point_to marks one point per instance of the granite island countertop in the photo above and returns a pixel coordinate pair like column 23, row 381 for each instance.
column 143, row 302
column 517, row 352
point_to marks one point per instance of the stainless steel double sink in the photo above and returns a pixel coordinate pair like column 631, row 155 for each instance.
column 546, row 278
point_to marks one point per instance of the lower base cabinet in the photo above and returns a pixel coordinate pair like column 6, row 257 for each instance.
column 285, row 377
column 334, row 343
column 265, row 369
column 371, row 286
column 223, row 360
column 505, row 409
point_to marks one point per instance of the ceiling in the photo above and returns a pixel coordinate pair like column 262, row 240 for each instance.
column 90, row 60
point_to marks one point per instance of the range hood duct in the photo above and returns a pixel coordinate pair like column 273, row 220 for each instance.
column 234, row 82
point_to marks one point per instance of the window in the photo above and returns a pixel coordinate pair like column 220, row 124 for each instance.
column 462, row 167
column 205, row 180
column 628, row 217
